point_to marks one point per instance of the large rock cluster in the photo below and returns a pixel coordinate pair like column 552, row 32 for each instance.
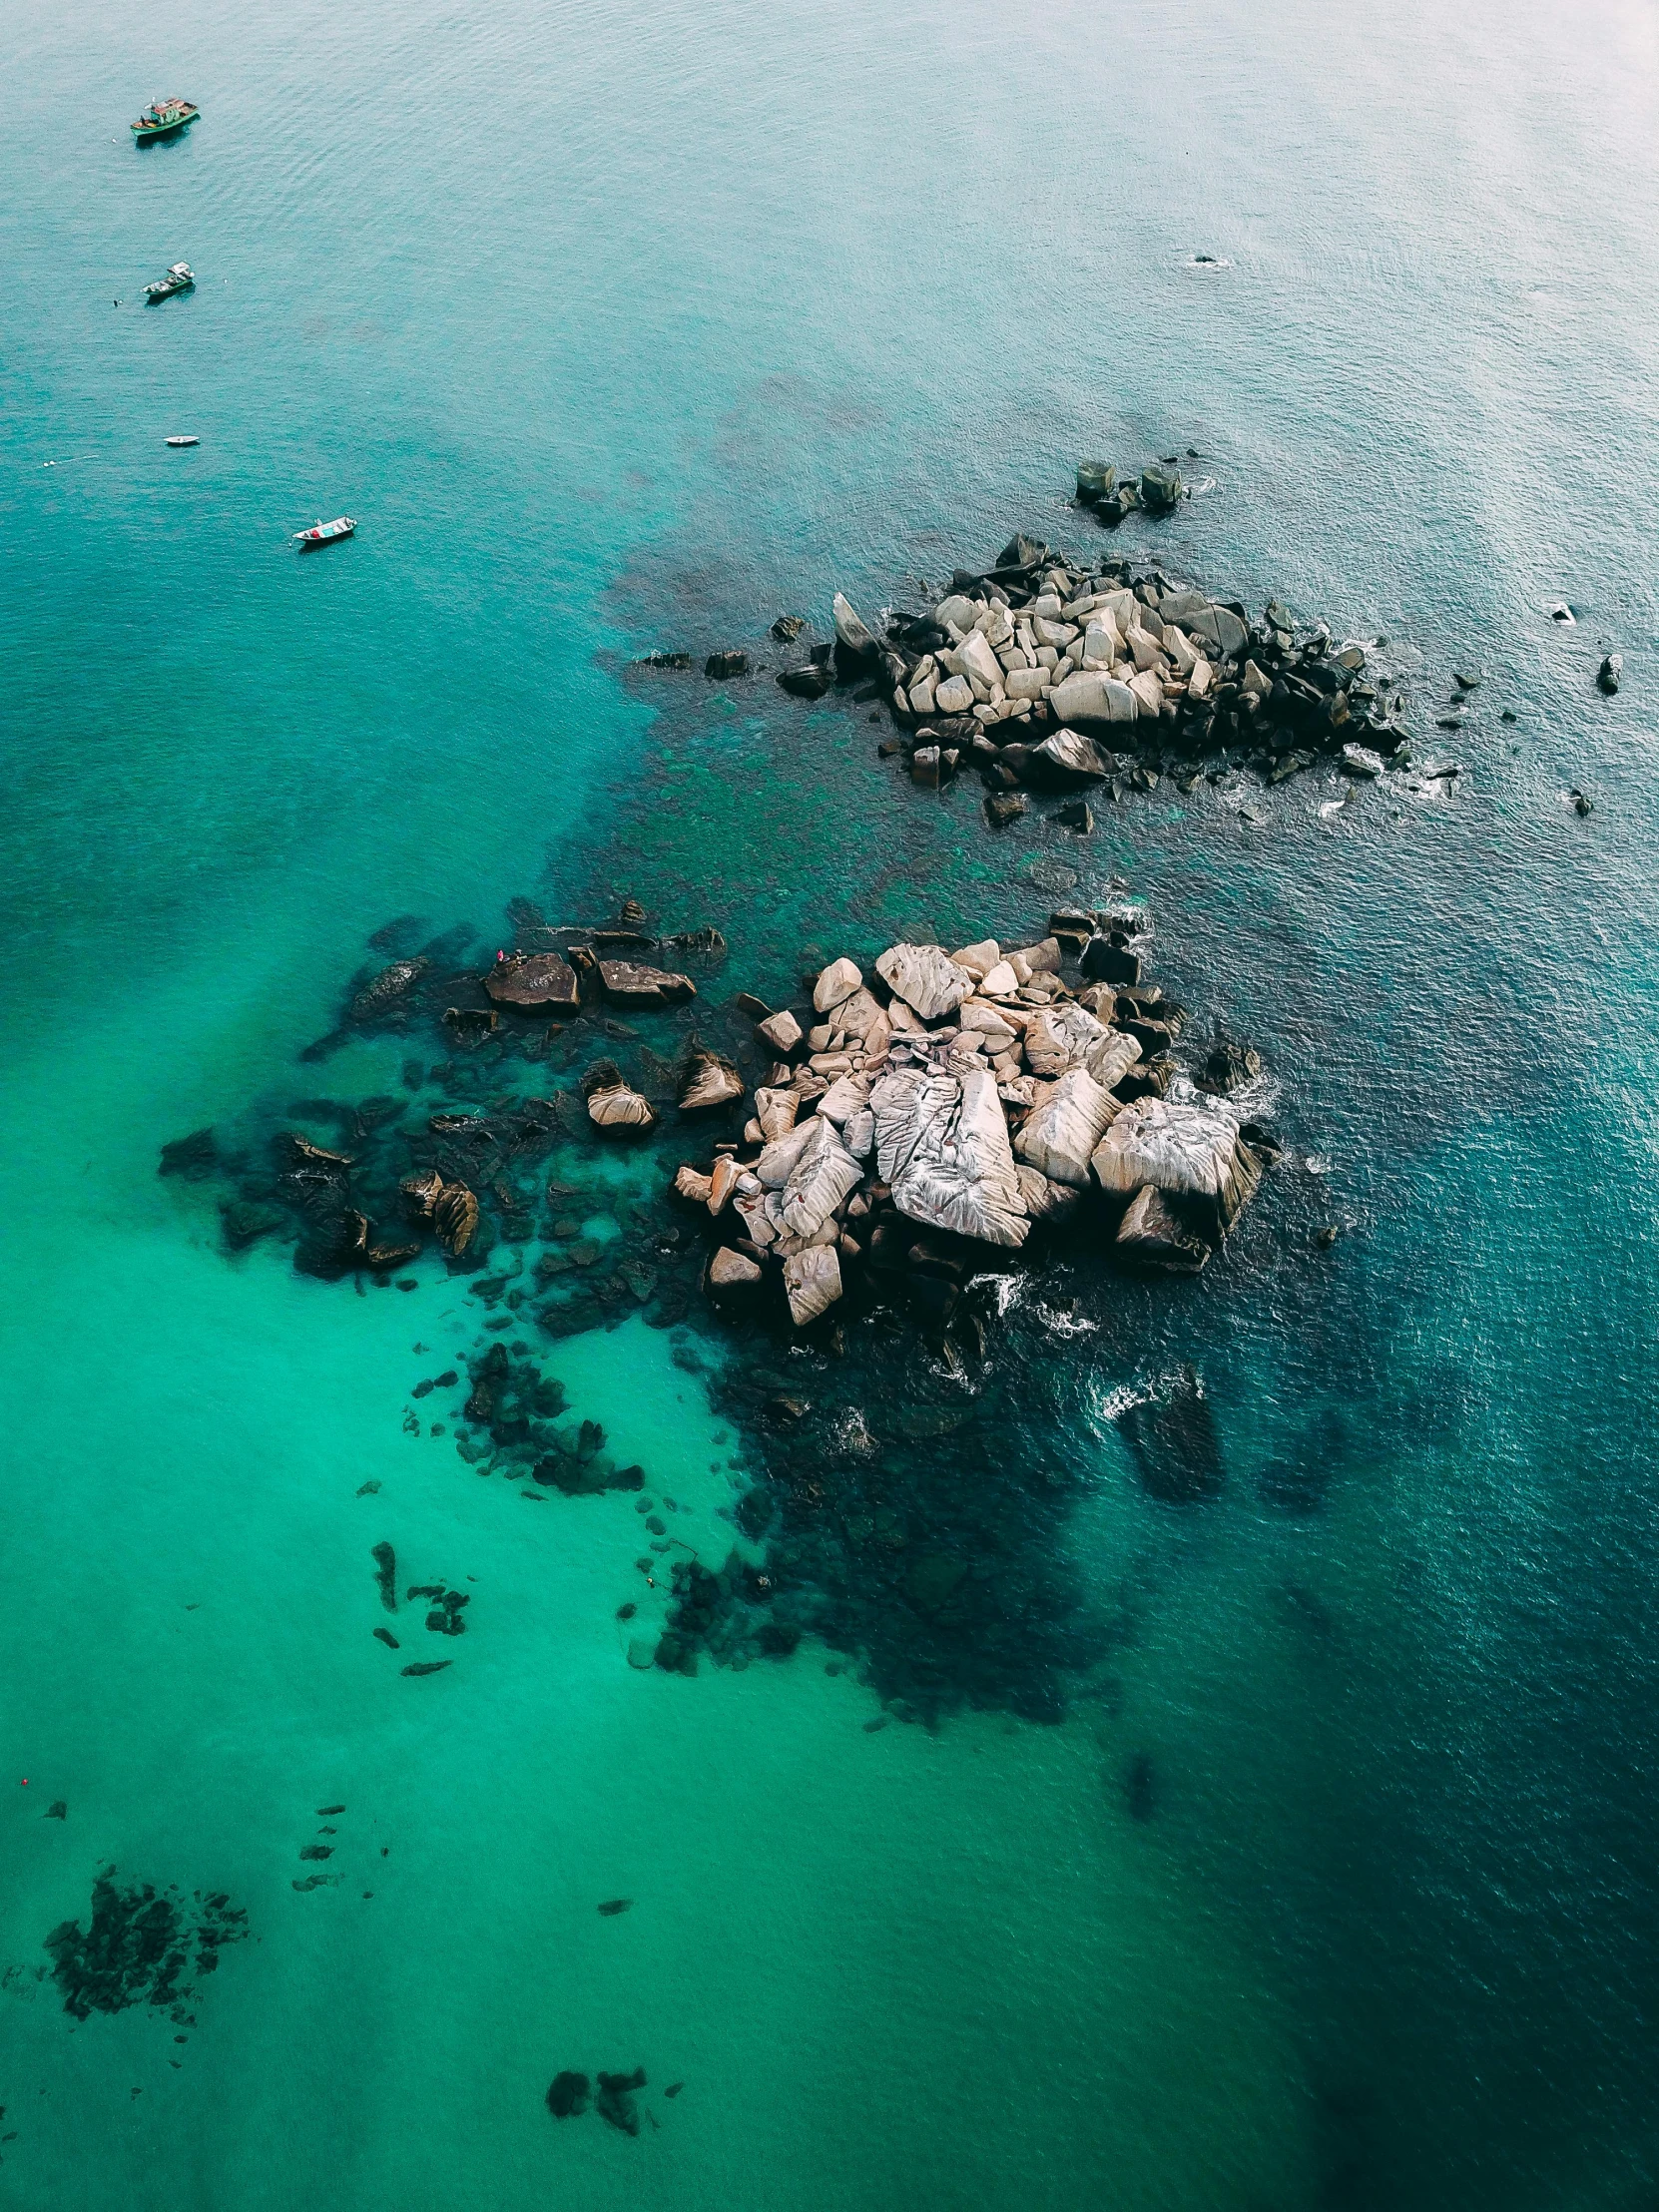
column 972, row 1096
column 1057, row 675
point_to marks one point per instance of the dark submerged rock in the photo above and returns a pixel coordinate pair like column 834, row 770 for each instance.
column 567, row 2096
column 1172, row 1438
column 195, row 1155
column 137, row 1946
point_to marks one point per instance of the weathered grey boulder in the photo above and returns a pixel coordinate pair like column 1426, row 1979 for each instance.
column 776, row 1111
column 1150, row 1235
column 979, row 959
column 711, row 1080
column 611, row 1103
column 619, row 1107
column 776, row 1163
column 1218, row 626
column 838, row 981
column 1067, row 757
column 782, row 1031
column 823, row 1174
column 1361, row 761
column 942, row 1146
column 1180, row 649
column 1062, row 1037
column 859, row 1133
column 926, row 977
column 851, row 631
column 847, row 1095
column 1179, row 1147
column 864, row 1017
column 1181, row 606
column 977, row 658
column 1110, row 1060
column 1611, row 673
column 958, row 611
column 1162, row 488
column 811, row 1283
column 534, row 979
column 1092, row 697
column 1062, row 1131
column 1149, row 694
column 632, row 984
column 1047, row 1200
column 732, row 1271
column 954, row 696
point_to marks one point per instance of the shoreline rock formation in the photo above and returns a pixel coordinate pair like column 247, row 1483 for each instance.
column 1054, row 675
column 974, row 1096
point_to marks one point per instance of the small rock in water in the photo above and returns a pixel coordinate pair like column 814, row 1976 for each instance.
column 1610, row 672
column 1580, row 802
column 615, row 2101
column 1328, row 1236
column 788, row 628
column 58, row 1809
column 428, row 1666
column 613, row 1906
column 567, row 2096
column 388, row 1639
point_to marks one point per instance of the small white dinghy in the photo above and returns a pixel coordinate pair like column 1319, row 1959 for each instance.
column 184, row 441
column 323, row 533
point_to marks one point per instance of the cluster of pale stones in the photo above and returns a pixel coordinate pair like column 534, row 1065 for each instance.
column 978, row 1099
column 1096, row 656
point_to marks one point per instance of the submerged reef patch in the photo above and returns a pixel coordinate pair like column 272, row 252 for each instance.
column 141, row 1945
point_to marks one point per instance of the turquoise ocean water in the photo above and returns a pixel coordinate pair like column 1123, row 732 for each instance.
column 625, row 333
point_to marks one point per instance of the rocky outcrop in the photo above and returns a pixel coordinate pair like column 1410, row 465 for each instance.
column 711, row 1080
column 1181, row 1148
column 925, row 979
column 388, row 990
column 455, row 1218
column 629, row 983
column 958, row 1099
column 542, row 982
column 811, row 1283
column 1064, row 672
column 943, row 1149
column 1063, row 1128
column 613, row 1104
column 1150, row 1235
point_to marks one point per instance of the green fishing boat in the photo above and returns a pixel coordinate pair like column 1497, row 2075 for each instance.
column 163, row 117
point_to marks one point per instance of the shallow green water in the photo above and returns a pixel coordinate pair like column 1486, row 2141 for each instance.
column 624, row 335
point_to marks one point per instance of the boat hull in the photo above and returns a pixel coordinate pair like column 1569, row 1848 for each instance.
column 143, row 133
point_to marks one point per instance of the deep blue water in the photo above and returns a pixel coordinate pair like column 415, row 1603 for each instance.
column 626, row 334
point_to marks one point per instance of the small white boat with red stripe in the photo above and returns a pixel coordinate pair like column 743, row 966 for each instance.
column 324, row 533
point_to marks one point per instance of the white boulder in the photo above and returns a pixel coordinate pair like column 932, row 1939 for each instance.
column 942, row 1146
column 1092, row 697
column 852, row 632
column 1218, row 626
column 1062, row 1037
column 926, row 977
column 1061, row 1133
column 1180, row 1146
column 811, row 1283
column 824, row 1173
column 954, row 696
column 838, row 981
column 981, row 958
